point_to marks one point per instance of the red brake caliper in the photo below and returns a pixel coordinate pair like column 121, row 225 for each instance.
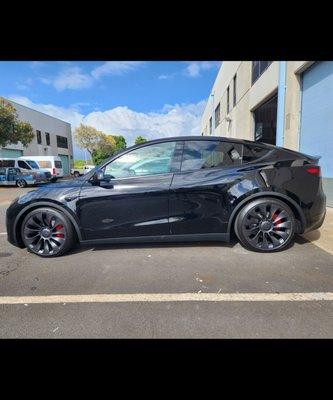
column 57, row 229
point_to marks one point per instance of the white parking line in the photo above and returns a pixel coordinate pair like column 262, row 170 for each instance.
column 165, row 297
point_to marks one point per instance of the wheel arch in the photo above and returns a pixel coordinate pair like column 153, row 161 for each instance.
column 34, row 206
column 296, row 209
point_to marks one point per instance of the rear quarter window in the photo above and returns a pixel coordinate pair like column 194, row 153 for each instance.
column 45, row 164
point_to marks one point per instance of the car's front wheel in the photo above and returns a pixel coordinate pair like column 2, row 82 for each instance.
column 265, row 225
column 21, row 183
column 47, row 232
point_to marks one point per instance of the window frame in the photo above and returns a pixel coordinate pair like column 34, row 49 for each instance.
column 217, row 120
column 234, row 90
column 228, row 99
column 59, row 142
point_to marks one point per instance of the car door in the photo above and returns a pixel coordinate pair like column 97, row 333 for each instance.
column 200, row 199
column 132, row 199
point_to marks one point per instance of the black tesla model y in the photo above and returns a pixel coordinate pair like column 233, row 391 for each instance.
column 177, row 189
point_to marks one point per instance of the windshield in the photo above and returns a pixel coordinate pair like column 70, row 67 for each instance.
column 32, row 164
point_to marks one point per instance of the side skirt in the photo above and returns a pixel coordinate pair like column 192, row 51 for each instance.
column 202, row 237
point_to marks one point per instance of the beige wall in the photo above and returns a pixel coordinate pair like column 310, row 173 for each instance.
column 249, row 97
column 44, row 123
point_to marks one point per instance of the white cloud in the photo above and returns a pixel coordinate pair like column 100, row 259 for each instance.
column 172, row 120
column 72, row 77
column 194, row 69
column 36, row 64
column 115, row 68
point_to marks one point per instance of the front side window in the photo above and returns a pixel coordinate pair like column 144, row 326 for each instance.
column 3, row 171
column 148, row 160
column 210, row 154
column 23, row 164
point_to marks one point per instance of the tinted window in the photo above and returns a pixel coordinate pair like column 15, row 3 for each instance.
column 252, row 153
column 7, row 163
column 39, row 137
column 2, row 171
column 23, row 164
column 148, row 160
column 58, row 164
column 210, row 154
column 62, row 142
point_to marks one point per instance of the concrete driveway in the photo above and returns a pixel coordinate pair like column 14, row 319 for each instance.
column 208, row 290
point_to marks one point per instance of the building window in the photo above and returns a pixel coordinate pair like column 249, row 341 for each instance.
column 210, row 125
column 217, row 115
column 39, row 137
column 258, row 67
column 62, row 142
column 234, row 90
column 47, row 138
column 228, row 103
column 265, row 122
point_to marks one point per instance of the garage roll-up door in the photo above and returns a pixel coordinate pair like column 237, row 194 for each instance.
column 9, row 153
column 317, row 119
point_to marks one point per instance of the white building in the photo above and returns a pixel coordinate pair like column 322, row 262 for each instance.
column 53, row 137
column 287, row 103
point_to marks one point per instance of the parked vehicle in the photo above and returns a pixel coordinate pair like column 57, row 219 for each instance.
column 52, row 164
column 211, row 188
column 81, row 171
column 27, row 166
column 14, row 177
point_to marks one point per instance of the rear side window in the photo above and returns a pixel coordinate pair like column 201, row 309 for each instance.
column 252, row 152
column 7, row 163
column 58, row 164
column 45, row 164
column 210, row 154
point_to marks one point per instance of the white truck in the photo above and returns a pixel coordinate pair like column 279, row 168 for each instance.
column 81, row 171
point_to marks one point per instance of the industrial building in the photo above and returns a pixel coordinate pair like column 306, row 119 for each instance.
column 53, row 137
column 287, row 103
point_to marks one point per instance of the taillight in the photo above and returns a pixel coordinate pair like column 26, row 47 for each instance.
column 313, row 170
column 54, row 171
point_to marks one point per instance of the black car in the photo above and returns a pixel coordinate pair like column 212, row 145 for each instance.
column 177, row 189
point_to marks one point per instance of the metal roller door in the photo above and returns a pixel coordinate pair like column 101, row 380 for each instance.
column 317, row 119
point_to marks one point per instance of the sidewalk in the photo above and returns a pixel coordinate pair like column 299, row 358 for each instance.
column 323, row 237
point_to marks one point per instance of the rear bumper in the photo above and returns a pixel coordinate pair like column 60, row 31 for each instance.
column 315, row 214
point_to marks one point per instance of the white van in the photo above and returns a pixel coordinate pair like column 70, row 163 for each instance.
column 26, row 166
column 52, row 164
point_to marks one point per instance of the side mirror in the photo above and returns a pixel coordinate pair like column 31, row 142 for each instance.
column 98, row 176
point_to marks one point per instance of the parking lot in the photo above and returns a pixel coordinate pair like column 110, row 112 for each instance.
column 193, row 290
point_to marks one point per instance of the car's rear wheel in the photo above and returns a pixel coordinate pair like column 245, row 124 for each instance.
column 76, row 174
column 265, row 225
column 21, row 183
column 47, row 232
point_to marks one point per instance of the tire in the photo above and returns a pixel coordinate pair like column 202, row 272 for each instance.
column 47, row 232
column 21, row 183
column 76, row 174
column 53, row 180
column 265, row 225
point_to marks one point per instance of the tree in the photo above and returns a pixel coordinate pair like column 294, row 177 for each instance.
column 12, row 130
column 87, row 138
column 104, row 149
column 120, row 142
column 140, row 139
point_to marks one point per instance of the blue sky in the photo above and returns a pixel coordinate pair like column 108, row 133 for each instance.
column 130, row 98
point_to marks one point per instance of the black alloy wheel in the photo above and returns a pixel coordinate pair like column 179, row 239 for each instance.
column 265, row 225
column 47, row 232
